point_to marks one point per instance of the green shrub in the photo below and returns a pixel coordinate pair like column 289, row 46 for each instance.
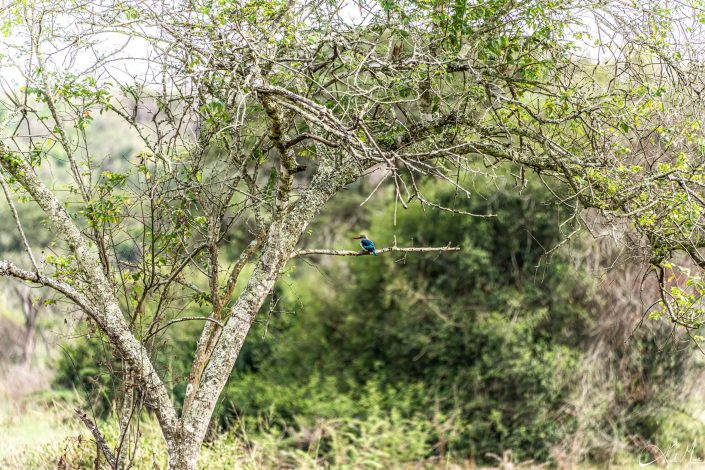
column 421, row 357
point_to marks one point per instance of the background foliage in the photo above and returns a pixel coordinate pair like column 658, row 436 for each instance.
column 464, row 355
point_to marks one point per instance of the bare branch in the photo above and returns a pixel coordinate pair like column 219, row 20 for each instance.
column 15, row 216
column 9, row 269
column 180, row 319
column 390, row 249
column 300, row 138
column 99, row 439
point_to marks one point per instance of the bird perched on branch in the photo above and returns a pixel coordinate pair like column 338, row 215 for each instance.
column 366, row 244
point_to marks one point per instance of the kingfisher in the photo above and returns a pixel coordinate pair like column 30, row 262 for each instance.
column 366, row 244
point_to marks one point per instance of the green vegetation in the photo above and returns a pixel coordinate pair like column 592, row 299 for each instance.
column 462, row 356
column 163, row 165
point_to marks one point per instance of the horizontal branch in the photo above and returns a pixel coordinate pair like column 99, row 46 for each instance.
column 379, row 252
column 306, row 135
column 9, row 269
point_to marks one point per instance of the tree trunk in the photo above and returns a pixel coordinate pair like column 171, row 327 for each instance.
column 282, row 239
column 184, row 452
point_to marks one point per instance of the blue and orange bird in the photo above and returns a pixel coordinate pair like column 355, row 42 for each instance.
column 366, row 244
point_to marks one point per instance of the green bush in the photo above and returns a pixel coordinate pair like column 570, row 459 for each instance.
column 490, row 336
column 425, row 356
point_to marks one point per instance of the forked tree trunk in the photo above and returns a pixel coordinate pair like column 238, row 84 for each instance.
column 282, row 239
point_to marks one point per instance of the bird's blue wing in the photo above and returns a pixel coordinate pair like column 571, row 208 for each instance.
column 367, row 245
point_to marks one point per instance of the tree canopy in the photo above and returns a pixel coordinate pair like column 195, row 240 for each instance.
column 255, row 114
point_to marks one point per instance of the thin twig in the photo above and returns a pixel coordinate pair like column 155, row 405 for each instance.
column 27, row 248
column 180, row 319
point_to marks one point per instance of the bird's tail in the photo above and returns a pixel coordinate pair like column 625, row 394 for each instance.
column 374, row 252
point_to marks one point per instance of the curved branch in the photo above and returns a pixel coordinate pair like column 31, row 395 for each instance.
column 424, row 249
column 300, row 138
column 9, row 269
column 180, row 319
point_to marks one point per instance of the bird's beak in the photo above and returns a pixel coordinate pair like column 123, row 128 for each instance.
column 356, row 238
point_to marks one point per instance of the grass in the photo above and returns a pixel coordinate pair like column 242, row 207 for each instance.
column 39, row 430
column 44, row 434
column 29, row 426
column 330, row 444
